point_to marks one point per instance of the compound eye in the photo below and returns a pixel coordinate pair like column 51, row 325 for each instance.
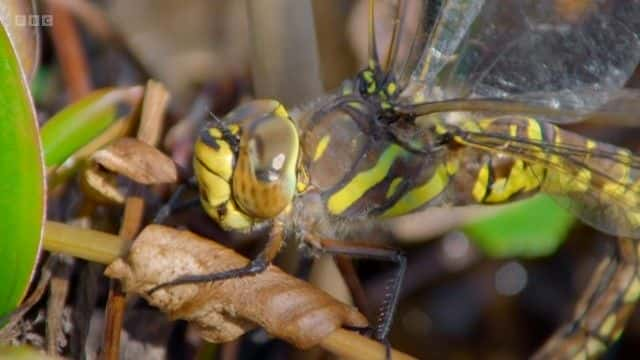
column 265, row 176
column 273, row 148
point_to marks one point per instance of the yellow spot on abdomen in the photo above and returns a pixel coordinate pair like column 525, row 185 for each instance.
column 520, row 179
column 480, row 186
column 534, row 131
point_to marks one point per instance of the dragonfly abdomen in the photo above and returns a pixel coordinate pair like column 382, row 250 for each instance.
column 487, row 173
column 508, row 157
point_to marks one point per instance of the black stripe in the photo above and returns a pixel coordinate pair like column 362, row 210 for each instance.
column 209, row 140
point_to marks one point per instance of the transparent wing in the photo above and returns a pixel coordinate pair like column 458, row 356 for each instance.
column 598, row 184
column 530, row 50
column 445, row 25
column 618, row 107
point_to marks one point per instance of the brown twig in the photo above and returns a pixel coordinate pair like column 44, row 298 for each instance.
column 350, row 345
column 7, row 331
column 58, row 291
column 93, row 18
column 70, row 54
column 150, row 130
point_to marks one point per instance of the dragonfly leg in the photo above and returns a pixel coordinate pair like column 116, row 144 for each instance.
column 174, row 203
column 359, row 251
column 255, row 266
column 603, row 309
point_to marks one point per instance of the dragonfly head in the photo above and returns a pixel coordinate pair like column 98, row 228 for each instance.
column 246, row 164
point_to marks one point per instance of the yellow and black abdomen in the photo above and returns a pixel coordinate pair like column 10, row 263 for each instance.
column 486, row 171
column 507, row 158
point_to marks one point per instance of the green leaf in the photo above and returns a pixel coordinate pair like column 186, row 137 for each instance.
column 530, row 228
column 77, row 124
column 21, row 181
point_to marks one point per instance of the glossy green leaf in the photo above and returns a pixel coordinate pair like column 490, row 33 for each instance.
column 531, row 228
column 22, row 185
column 79, row 123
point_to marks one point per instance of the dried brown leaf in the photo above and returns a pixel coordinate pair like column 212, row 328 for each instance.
column 285, row 306
column 100, row 186
column 138, row 161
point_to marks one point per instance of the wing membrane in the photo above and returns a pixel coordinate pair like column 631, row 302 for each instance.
column 528, row 50
column 619, row 107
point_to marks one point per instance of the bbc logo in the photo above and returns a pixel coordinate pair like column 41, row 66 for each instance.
column 34, row 20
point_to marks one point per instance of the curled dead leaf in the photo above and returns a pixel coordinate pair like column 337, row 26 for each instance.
column 100, row 185
column 284, row 306
column 138, row 161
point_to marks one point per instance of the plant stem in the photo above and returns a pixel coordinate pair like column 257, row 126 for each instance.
column 90, row 245
column 350, row 345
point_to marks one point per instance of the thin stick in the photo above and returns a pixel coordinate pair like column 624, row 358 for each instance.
column 70, row 53
column 151, row 124
column 350, row 345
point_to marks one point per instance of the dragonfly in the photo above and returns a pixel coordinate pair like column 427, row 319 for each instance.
column 471, row 116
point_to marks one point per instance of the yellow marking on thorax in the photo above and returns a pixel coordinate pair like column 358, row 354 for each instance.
column 303, row 177
column 420, row 195
column 321, row 147
column 235, row 128
column 440, row 129
column 473, row 126
column 393, row 187
column 453, row 164
column 391, row 88
column 363, row 181
column 482, row 181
